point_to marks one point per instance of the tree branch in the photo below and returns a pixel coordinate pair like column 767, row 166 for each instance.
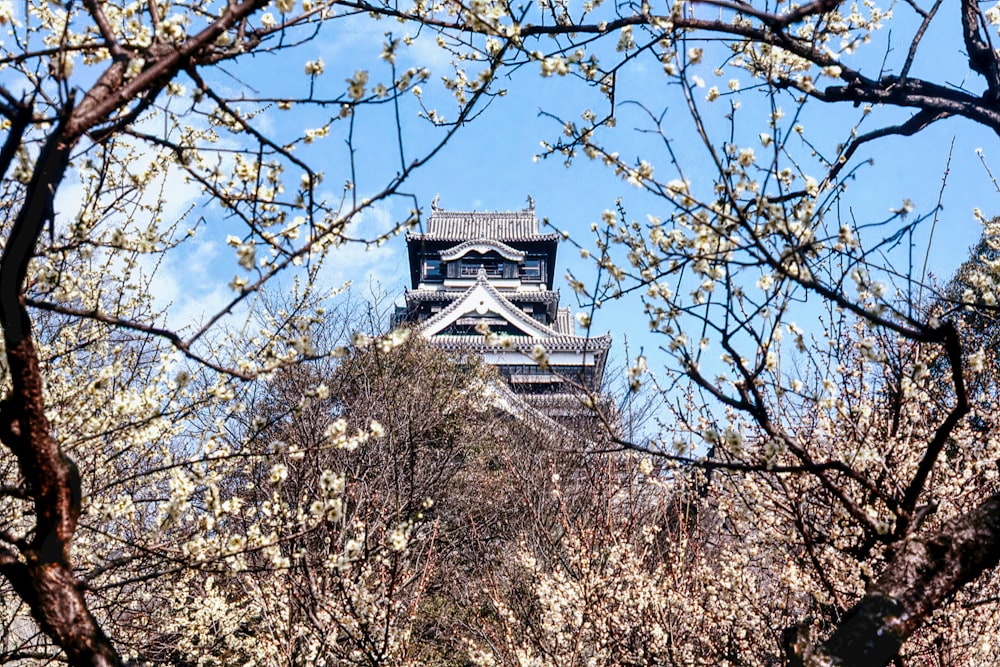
column 18, row 126
column 982, row 58
column 916, row 123
column 94, row 314
column 923, row 575
column 953, row 347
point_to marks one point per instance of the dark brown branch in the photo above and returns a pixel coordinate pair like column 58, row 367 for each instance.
column 916, row 123
column 921, row 31
column 889, row 90
column 18, row 126
column 123, row 121
column 72, row 626
column 982, row 59
column 42, row 575
column 154, row 15
column 97, row 13
column 923, row 575
column 953, row 347
column 917, row 94
column 32, row 216
column 44, row 579
column 734, row 466
column 112, row 91
column 798, row 14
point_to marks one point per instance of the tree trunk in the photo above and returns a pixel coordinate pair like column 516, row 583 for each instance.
column 924, row 575
column 43, row 575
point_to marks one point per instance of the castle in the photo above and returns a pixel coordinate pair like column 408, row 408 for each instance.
column 483, row 282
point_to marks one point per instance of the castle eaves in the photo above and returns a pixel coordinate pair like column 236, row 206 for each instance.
column 525, row 344
column 519, row 296
column 505, row 226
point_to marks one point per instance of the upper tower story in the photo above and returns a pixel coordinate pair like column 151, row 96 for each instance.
column 517, row 258
column 477, row 273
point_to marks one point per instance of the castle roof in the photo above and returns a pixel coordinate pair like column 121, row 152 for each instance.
column 483, row 246
column 522, row 408
column 504, row 226
column 483, row 298
column 513, row 296
column 525, row 344
column 520, row 296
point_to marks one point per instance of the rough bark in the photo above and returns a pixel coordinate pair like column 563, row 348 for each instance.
column 58, row 605
column 39, row 567
column 43, row 576
column 924, row 574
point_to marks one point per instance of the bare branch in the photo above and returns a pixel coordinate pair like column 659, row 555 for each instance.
column 921, row 31
column 953, row 347
column 919, row 121
column 925, row 573
column 179, row 344
column 982, row 58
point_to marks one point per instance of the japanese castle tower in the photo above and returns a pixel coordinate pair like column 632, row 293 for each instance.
column 471, row 270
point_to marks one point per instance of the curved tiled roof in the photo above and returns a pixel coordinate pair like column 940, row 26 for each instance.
column 532, row 296
column 517, row 407
column 560, row 398
column 482, row 246
column 552, row 339
column 525, row 343
column 504, row 226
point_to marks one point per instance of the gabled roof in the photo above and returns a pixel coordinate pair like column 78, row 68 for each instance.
column 483, row 298
column 498, row 395
column 504, row 226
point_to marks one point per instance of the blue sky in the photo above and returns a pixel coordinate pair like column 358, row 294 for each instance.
column 489, row 164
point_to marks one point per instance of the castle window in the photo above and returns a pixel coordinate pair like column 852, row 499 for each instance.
column 432, row 269
column 531, row 272
column 470, row 267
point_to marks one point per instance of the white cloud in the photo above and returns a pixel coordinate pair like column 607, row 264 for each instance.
column 424, row 52
column 383, row 266
column 190, row 284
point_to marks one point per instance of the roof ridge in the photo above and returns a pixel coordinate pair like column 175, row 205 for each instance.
column 504, row 250
column 525, row 319
column 526, row 408
column 519, row 225
column 453, row 293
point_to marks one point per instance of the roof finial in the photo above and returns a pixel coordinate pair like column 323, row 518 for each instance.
column 434, row 204
column 531, row 203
